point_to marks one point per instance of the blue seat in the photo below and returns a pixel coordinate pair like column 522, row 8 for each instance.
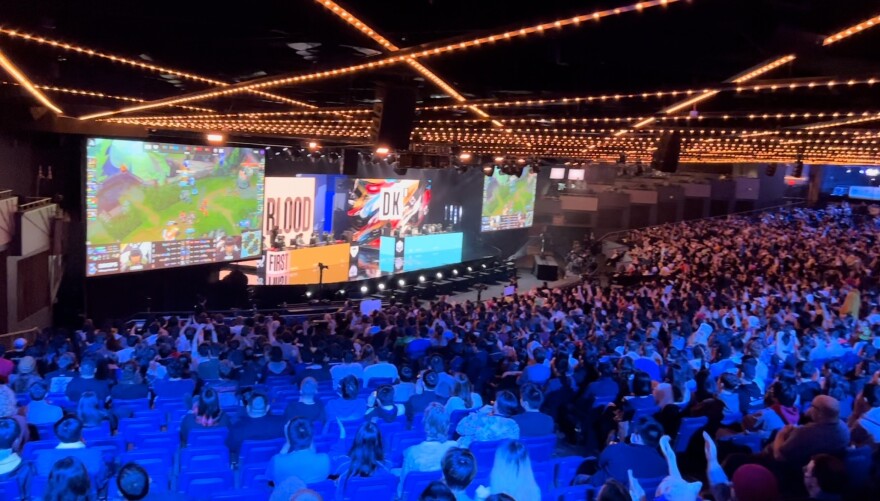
column 378, row 487
column 46, row 431
column 249, row 494
column 160, row 486
column 204, row 485
column 574, row 493
column 649, row 485
column 259, row 451
column 10, row 489
column 456, row 418
column 204, row 458
column 160, row 460
column 484, row 453
column 566, row 469
column 207, row 437
column 645, row 412
column 416, row 481
column 157, row 440
column 540, row 448
column 253, row 475
column 30, row 448
column 544, row 472
column 400, row 442
column 379, row 381
column 326, row 488
column 689, row 427
column 132, row 431
column 753, row 441
column 101, row 432
column 649, row 366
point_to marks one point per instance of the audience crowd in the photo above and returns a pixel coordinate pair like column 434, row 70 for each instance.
column 739, row 362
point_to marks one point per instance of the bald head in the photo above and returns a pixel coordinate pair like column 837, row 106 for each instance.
column 825, row 409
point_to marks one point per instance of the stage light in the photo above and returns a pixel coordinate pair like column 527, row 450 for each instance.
column 872, row 172
column 381, row 287
column 215, row 138
column 464, row 157
column 499, row 160
column 401, row 282
column 382, row 151
column 439, row 275
column 364, row 289
column 484, row 266
column 455, row 271
column 308, row 293
column 488, row 170
column 421, row 278
column 341, row 292
column 470, row 269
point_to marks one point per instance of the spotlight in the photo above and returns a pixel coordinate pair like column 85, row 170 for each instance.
column 464, row 157
column 470, row 269
column 364, row 289
column 455, row 272
column 421, row 278
column 499, row 160
column 308, row 293
column 484, row 266
column 872, row 172
column 488, row 170
column 314, row 146
column 401, row 282
column 439, row 275
column 215, row 138
column 521, row 161
column 382, row 151
column 381, row 287
column 341, row 292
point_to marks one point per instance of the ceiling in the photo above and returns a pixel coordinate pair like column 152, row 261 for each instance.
column 616, row 65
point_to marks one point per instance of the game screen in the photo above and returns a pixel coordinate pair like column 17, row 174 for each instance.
column 157, row 205
column 380, row 206
column 508, row 201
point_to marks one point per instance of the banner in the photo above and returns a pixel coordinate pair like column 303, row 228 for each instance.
column 290, row 206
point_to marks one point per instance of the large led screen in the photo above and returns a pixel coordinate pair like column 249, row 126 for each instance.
column 382, row 205
column 508, row 201
column 156, row 205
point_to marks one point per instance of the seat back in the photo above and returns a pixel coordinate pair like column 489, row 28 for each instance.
column 10, row 489
column 30, row 448
column 204, row 458
column 566, row 469
column 207, row 436
column 456, row 418
column 400, row 442
column 416, row 481
column 259, row 451
column 326, row 488
column 484, row 453
column 378, row 487
column 575, row 493
column 204, row 485
column 649, row 366
column 689, row 427
column 540, row 448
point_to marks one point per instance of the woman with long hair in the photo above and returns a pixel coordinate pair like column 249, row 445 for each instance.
column 512, row 472
column 90, row 410
column 463, row 396
column 366, row 458
column 69, row 481
column 206, row 413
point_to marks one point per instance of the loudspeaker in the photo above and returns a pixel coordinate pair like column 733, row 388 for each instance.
column 350, row 160
column 393, row 116
column 668, row 152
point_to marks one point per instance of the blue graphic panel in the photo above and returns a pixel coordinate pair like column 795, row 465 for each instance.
column 419, row 252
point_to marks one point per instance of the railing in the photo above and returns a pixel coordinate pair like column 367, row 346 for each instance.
column 35, row 203
column 29, row 334
column 4, row 194
column 793, row 203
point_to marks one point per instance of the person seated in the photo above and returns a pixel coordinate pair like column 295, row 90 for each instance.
column 866, row 413
column 133, row 482
column 299, row 458
column 348, row 367
column 61, row 377
column 825, row 478
column 490, row 423
column 366, row 457
column 418, row 402
column 427, row 455
column 277, row 366
column 512, row 473
column 299, row 241
column 641, row 455
column 781, row 412
column 384, row 409
column 174, row 386
column 463, row 396
column 12, row 467
column 825, row 434
column 307, row 406
column 258, row 424
column 437, row 491
column 606, row 387
column 459, row 469
column 350, row 406
column 405, row 388
column 69, row 479
column 25, row 375
column 532, row 422
column 382, row 369
column 642, row 396
column 9, row 409
column 208, row 366
column 729, row 395
column 537, row 371
column 69, row 434
column 93, row 415
column 131, row 384
column 206, row 413
column 86, row 382
column 39, row 411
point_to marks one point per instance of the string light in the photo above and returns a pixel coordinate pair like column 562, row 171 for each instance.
column 400, row 56
column 100, row 95
column 852, row 30
column 838, row 123
column 23, row 80
column 15, row 34
column 762, row 69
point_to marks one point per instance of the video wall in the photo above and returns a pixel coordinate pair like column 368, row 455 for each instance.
column 508, row 201
column 382, row 205
column 156, row 205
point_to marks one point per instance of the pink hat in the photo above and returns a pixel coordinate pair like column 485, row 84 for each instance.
column 753, row 482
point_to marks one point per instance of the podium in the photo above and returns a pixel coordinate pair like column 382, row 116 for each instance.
column 546, row 268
